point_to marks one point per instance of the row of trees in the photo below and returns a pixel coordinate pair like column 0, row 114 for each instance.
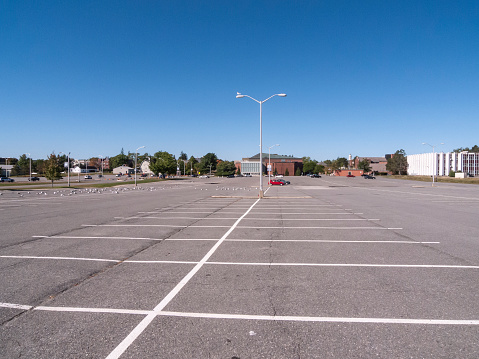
column 397, row 164
column 22, row 165
column 474, row 148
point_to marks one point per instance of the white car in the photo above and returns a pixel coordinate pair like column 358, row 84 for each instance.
column 88, row 177
column 204, row 176
column 279, row 176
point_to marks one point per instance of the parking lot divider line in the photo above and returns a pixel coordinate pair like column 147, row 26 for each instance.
column 64, row 258
column 436, row 266
column 130, row 338
column 324, row 319
column 15, row 306
column 249, row 316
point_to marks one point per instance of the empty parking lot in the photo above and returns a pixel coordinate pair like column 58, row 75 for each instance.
column 200, row 268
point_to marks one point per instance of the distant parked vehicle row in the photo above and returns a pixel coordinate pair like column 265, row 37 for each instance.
column 6, row 179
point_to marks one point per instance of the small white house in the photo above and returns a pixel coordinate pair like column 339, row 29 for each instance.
column 123, row 169
column 145, row 168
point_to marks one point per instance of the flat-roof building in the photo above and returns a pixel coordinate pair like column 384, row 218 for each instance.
column 279, row 164
column 440, row 164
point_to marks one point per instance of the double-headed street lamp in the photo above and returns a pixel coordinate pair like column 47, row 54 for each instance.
column 434, row 158
column 136, row 157
column 269, row 163
column 239, row 95
column 184, row 166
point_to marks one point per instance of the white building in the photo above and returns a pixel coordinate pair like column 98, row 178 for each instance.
column 145, row 168
column 440, row 164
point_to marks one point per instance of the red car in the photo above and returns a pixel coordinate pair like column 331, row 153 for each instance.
column 350, row 176
column 277, row 182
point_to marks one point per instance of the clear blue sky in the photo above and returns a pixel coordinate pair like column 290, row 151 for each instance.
column 362, row 77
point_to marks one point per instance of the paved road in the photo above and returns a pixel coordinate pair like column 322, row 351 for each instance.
column 200, row 268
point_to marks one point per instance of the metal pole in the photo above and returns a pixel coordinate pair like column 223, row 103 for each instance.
column 136, row 155
column 261, row 193
column 69, row 169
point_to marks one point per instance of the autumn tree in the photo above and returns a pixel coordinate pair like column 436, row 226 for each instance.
column 397, row 163
column 53, row 168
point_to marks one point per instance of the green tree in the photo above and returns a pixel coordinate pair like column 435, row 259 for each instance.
column 225, row 168
column 39, row 166
column 397, row 163
column 22, row 167
column 192, row 164
column 298, row 172
column 309, row 165
column 342, row 162
column 319, row 169
column 238, row 172
column 53, row 168
column 208, row 160
column 163, row 162
column 364, row 165
column 286, row 173
column 183, row 156
column 119, row 160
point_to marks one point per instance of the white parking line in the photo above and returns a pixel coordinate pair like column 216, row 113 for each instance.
column 242, row 227
column 248, row 316
column 323, row 319
column 64, row 258
column 255, row 219
column 270, row 264
column 237, row 240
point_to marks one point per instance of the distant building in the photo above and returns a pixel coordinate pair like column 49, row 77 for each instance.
column 346, row 172
column 123, row 170
column 440, row 164
column 377, row 164
column 279, row 163
column 5, row 170
column 145, row 168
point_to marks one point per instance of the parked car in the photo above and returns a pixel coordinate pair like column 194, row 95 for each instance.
column 6, row 179
column 279, row 176
column 277, row 182
column 88, row 177
column 314, row 175
column 118, row 175
column 33, row 179
column 350, row 176
column 369, row 177
column 248, row 175
column 144, row 175
column 100, row 176
column 230, row 176
column 284, row 181
column 204, row 176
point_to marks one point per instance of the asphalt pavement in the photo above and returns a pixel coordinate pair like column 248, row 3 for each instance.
column 201, row 268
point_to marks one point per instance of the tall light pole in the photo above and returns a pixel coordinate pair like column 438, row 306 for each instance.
column 136, row 157
column 68, row 173
column 269, row 163
column 434, row 158
column 239, row 95
column 30, row 156
column 184, row 166
column 101, row 164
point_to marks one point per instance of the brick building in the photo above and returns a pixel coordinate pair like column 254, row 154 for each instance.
column 279, row 163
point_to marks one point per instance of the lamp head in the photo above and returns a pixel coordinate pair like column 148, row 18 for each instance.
column 282, row 94
column 238, row 95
